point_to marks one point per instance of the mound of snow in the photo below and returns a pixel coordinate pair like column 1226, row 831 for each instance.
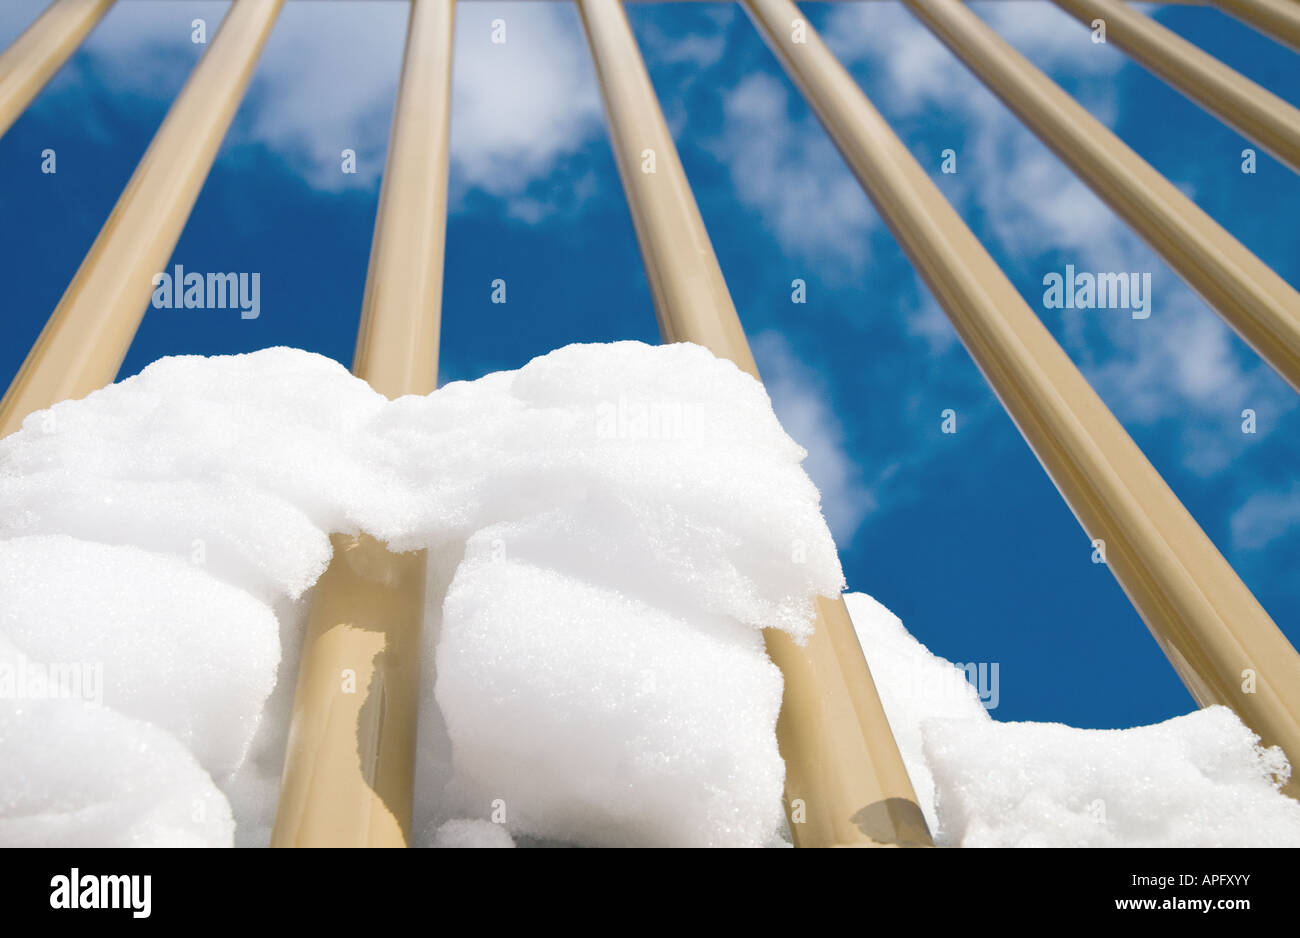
column 598, row 718
column 1195, row 780
column 612, row 526
column 73, row 773
column 172, row 646
column 608, row 530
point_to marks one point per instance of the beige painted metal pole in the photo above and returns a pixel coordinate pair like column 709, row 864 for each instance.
column 845, row 780
column 1278, row 19
column 87, row 336
column 1220, row 640
column 38, row 53
column 350, row 763
column 1236, row 100
column 1255, row 301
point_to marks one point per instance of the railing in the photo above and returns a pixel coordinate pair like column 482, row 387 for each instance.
column 348, row 776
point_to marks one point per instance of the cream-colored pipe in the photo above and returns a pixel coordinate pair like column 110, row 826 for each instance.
column 1279, row 19
column 1220, row 640
column 38, row 53
column 1234, row 99
column 845, row 780
column 350, row 763
column 87, row 336
column 397, row 342
column 1255, row 301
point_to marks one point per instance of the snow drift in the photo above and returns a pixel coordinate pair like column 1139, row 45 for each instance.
column 1195, row 780
column 610, row 526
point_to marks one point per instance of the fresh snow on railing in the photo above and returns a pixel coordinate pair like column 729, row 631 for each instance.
column 612, row 526
column 608, row 529
column 1195, row 780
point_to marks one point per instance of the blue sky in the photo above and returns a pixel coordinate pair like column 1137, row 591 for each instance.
column 962, row 535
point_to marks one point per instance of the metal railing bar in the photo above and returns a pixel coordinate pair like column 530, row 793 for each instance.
column 846, row 783
column 87, row 336
column 1262, row 307
column 1248, row 108
column 33, row 58
column 349, row 771
column 1222, row 643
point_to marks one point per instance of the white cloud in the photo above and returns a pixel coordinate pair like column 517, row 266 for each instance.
column 331, row 73
column 791, row 173
column 520, row 106
column 1265, row 518
column 1056, row 38
column 327, row 80
column 900, row 52
column 1029, row 197
column 695, row 49
column 1182, row 362
column 932, row 324
column 800, row 399
column 145, row 49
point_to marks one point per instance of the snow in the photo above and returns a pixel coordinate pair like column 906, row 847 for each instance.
column 472, row 832
column 76, row 774
column 606, row 721
column 1195, row 780
column 203, row 683
column 608, row 530
column 612, row 526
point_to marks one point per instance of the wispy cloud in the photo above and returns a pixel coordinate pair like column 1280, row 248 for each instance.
column 1184, row 362
column 800, row 397
column 790, row 173
column 327, row 81
column 1266, row 518
column 520, row 106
